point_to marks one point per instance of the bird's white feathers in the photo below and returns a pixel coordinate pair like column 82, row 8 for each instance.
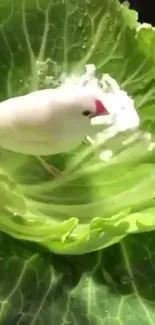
column 46, row 121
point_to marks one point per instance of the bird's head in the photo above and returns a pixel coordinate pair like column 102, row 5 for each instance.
column 83, row 101
column 96, row 108
column 73, row 109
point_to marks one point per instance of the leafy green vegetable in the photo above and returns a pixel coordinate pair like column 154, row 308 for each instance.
column 114, row 286
column 92, row 204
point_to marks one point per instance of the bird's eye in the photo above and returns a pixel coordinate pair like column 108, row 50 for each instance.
column 86, row 113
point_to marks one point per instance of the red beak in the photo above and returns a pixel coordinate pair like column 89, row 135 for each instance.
column 100, row 109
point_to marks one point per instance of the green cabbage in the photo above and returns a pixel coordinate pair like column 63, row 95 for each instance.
column 112, row 286
column 96, row 202
column 93, row 204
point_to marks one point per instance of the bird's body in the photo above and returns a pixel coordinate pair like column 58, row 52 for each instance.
column 47, row 121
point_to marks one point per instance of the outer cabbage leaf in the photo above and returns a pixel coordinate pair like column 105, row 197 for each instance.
column 114, row 286
column 92, row 204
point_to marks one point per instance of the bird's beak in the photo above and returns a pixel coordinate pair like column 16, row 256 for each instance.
column 100, row 109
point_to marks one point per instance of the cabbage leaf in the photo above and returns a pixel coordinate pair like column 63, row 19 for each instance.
column 111, row 287
column 92, row 204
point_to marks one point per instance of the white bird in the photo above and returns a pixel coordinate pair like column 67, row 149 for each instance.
column 49, row 121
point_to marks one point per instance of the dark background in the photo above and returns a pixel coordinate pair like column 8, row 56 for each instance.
column 146, row 10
